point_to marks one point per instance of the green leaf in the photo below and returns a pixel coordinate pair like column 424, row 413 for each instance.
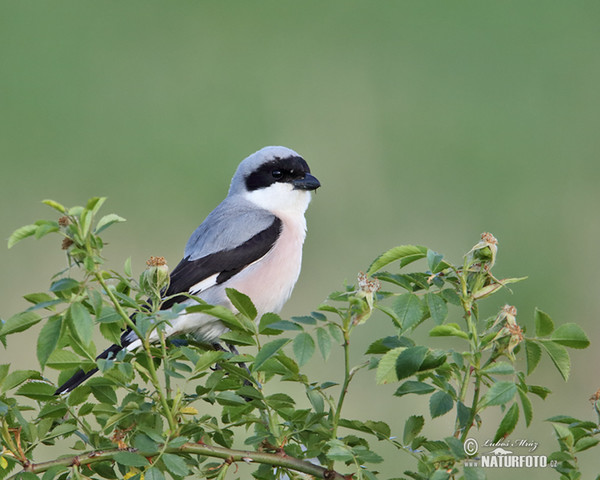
column 324, row 342
column 508, row 423
column 48, row 339
column 21, row 233
column 265, row 322
column 267, row 351
column 409, row 361
column 386, row 370
column 527, row 407
column 19, row 322
column 238, row 338
column 499, row 394
column 405, row 253
column 63, row 360
column 440, row 403
column 384, row 345
column 304, row 348
column 559, row 356
column 61, row 430
column 17, row 377
column 175, row 464
column 434, row 261
column 230, row 398
column 153, row 473
column 570, row 335
column 130, row 459
column 106, row 221
column 544, row 325
column 456, row 447
column 585, row 442
column 82, row 324
column 64, row 285
column 499, row 368
column 448, row 330
column 207, row 359
column 242, row 303
column 55, row 205
column 409, row 309
column 316, row 400
column 533, row 353
column 437, row 307
column 37, row 390
column 412, row 386
column 412, row 427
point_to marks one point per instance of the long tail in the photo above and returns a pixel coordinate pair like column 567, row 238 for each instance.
column 81, row 376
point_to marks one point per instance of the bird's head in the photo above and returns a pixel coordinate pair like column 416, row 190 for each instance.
column 276, row 179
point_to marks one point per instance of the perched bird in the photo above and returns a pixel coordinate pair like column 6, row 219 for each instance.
column 251, row 242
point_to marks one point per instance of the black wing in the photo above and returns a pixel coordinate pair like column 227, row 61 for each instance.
column 224, row 264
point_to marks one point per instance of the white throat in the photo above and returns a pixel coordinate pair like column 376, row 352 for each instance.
column 281, row 198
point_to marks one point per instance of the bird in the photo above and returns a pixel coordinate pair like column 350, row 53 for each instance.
column 251, row 242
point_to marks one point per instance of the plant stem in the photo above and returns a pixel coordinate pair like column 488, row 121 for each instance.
column 228, row 454
column 347, row 378
column 146, row 344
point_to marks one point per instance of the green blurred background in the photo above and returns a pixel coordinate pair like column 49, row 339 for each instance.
column 426, row 122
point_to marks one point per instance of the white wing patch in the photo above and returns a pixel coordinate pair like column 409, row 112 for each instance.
column 203, row 284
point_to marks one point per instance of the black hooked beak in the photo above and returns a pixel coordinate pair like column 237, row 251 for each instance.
column 307, row 183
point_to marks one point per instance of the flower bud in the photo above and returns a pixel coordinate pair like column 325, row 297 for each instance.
column 156, row 277
column 483, row 254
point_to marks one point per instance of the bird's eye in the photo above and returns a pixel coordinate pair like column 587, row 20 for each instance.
column 277, row 174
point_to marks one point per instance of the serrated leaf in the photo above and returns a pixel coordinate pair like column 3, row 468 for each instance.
column 412, row 386
column 106, row 221
column 438, row 310
column 386, row 370
column 409, row 361
column 17, row 377
column 130, row 459
column 242, row 303
column 456, row 447
column 499, row 368
column 21, row 233
column 264, row 326
column 544, row 325
column 324, row 342
column 405, row 253
column 570, row 335
column 559, row 356
column 82, row 324
column 434, row 260
column 499, row 394
column 448, row 330
column 267, row 351
column 37, row 390
column 304, row 348
column 19, row 322
column 153, row 473
column 230, row 398
column 63, row 360
column 409, row 309
column 412, row 427
column 48, row 339
column 508, row 423
column 207, row 359
column 440, row 403
column 533, row 352
column 175, row 464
